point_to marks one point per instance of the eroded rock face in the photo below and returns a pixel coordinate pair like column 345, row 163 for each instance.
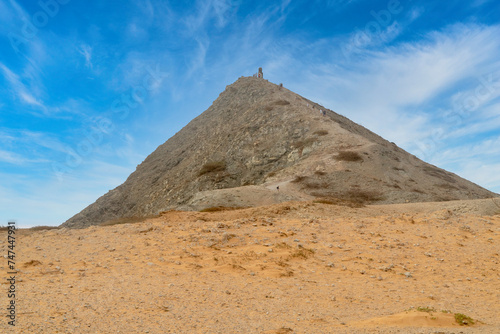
column 259, row 134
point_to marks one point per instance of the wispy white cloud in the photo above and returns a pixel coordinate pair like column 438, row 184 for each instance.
column 86, row 51
column 28, row 199
column 285, row 4
column 482, row 172
column 415, row 13
column 198, row 59
column 478, row 161
column 395, row 90
column 489, row 147
column 19, row 89
column 11, row 157
column 221, row 9
column 218, row 10
column 147, row 9
column 45, row 140
column 479, row 3
column 338, row 4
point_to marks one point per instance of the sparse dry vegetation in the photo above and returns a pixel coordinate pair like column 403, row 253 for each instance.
column 32, row 263
column 211, row 167
column 439, row 173
column 301, row 144
column 315, row 185
column 221, row 208
column 350, row 156
column 337, row 201
column 281, row 103
column 299, row 178
column 363, row 197
column 464, row 320
column 326, row 201
column 426, row 309
column 302, row 253
column 321, row 132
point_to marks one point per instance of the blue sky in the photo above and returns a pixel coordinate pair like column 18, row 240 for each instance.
column 90, row 88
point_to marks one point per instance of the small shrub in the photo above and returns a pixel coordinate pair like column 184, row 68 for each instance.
column 32, row 263
column 337, row 201
column 426, row 309
column 439, row 173
column 271, row 174
column 303, row 253
column 321, row 132
column 281, row 103
column 363, row 197
column 315, row 185
column 220, row 208
column 210, row 167
column 228, row 236
column 350, row 156
column 282, row 245
column 299, row 178
column 301, row 144
column 464, row 320
column 320, row 173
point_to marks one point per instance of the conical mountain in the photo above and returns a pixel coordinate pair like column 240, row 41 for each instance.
column 258, row 136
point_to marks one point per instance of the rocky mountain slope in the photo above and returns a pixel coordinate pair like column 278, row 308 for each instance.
column 258, row 136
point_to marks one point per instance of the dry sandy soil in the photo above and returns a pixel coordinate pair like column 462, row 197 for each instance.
column 298, row 267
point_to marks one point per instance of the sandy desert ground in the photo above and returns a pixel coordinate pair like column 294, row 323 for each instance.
column 298, row 267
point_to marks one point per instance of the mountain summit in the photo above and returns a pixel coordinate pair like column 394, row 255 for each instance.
column 259, row 144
